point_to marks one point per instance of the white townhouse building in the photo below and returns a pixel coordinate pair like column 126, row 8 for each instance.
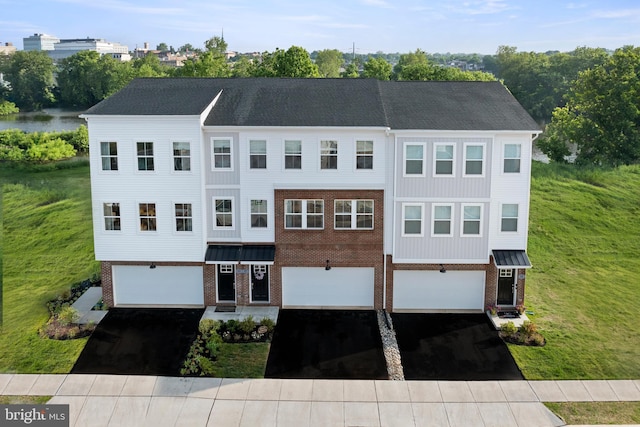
column 333, row 193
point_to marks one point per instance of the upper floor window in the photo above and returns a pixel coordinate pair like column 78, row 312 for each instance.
column 111, row 213
column 471, row 220
column 512, row 155
column 258, row 214
column 414, row 159
column 109, row 156
column 364, row 154
column 181, row 156
column 412, row 218
column 145, row 156
column 444, row 154
column 224, row 213
column 293, row 154
column 184, row 217
column 258, row 154
column 304, row 214
column 221, row 154
column 509, row 220
column 328, row 154
column 442, row 218
column 147, row 213
column 353, row 214
column 474, row 159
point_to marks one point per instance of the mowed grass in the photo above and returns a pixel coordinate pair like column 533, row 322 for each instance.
column 584, row 288
column 592, row 413
column 242, row 360
column 47, row 246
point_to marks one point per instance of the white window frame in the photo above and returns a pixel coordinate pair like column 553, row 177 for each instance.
column 257, row 155
column 481, row 160
column 451, row 219
column 184, row 158
column 111, row 218
column 353, row 214
column 214, row 154
column 404, row 219
column 109, row 156
column 518, row 158
column 364, row 155
column 436, row 160
column 265, row 213
column 506, row 272
column 463, row 220
column 297, row 155
column 183, row 218
column 226, row 268
column 502, row 217
column 146, row 157
column 231, row 213
column 304, row 214
column 405, row 159
column 328, row 154
column 148, row 217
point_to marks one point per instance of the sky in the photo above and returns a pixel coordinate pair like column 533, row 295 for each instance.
column 366, row 26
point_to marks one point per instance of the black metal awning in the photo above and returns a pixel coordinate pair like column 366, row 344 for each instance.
column 234, row 254
column 511, row 259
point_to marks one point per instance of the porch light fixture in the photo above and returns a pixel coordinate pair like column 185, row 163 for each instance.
column 442, row 269
column 153, row 265
column 327, row 267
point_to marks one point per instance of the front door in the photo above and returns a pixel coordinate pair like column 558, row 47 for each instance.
column 226, row 283
column 260, row 283
column 506, row 287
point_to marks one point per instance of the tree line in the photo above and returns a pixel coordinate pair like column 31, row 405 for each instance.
column 587, row 99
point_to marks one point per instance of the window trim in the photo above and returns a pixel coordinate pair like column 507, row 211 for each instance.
column 176, row 218
column 217, row 227
column 175, row 157
column 423, row 160
column 139, row 157
column 502, row 217
column 251, row 214
column 364, row 155
column 330, row 156
column 404, row 219
column 465, row 160
column 105, row 217
column 297, row 155
column 434, row 219
column 303, row 214
column 436, row 160
column 353, row 214
column 479, row 220
column 110, row 157
column 141, row 217
column 505, row 158
column 258, row 154
column 213, row 154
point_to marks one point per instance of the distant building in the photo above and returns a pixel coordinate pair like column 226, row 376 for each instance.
column 68, row 47
column 7, row 48
column 39, row 42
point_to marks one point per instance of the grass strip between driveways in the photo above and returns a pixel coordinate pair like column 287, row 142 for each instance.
column 591, row 413
column 24, row 400
column 241, row 360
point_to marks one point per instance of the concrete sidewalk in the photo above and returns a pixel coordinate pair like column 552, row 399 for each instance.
column 123, row 400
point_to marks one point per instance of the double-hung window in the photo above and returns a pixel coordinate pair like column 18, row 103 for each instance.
column 364, row 154
column 443, row 158
column 293, row 154
column 304, row 214
column 509, row 221
column 181, row 156
column 184, row 217
column 111, row 213
column 258, row 154
column 109, row 156
column 414, row 159
column 353, row 214
column 512, row 155
column 224, row 213
column 221, row 154
column 473, row 160
column 412, row 218
column 442, row 219
column 328, row 154
column 258, row 214
column 145, row 156
column 471, row 220
column 147, row 213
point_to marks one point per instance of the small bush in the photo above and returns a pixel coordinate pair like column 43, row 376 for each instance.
column 246, row 326
column 213, row 345
column 68, row 315
column 509, row 328
column 232, row 326
column 528, row 328
column 208, row 326
column 270, row 324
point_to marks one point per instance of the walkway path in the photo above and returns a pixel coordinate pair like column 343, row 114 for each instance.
column 122, row 400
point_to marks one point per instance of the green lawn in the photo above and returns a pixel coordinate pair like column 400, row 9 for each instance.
column 592, row 413
column 47, row 246
column 242, row 360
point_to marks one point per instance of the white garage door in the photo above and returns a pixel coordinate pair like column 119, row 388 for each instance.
column 137, row 285
column 342, row 287
column 435, row 291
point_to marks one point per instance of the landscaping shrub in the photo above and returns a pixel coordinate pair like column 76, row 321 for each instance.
column 38, row 147
column 509, row 328
column 527, row 334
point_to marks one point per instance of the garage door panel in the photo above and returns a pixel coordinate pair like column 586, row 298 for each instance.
column 317, row 287
column 432, row 290
column 137, row 285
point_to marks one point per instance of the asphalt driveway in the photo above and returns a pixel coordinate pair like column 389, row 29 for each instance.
column 326, row 344
column 452, row 347
column 136, row 341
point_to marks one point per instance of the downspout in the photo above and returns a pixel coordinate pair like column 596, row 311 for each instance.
column 391, row 222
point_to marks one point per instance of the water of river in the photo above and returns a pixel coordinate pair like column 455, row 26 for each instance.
column 49, row 120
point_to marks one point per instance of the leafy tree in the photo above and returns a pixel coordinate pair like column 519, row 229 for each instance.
column 30, row 74
column 243, row 67
column 7, row 107
column 187, row 48
column 377, row 68
column 211, row 63
column 329, row 62
column 413, row 59
column 149, row 66
column 602, row 114
column 266, row 67
column 352, row 70
column 162, row 47
column 295, row 62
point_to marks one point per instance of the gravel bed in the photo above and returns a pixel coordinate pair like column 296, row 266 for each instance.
column 390, row 346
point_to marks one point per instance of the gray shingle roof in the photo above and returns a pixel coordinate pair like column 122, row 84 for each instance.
column 325, row 102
